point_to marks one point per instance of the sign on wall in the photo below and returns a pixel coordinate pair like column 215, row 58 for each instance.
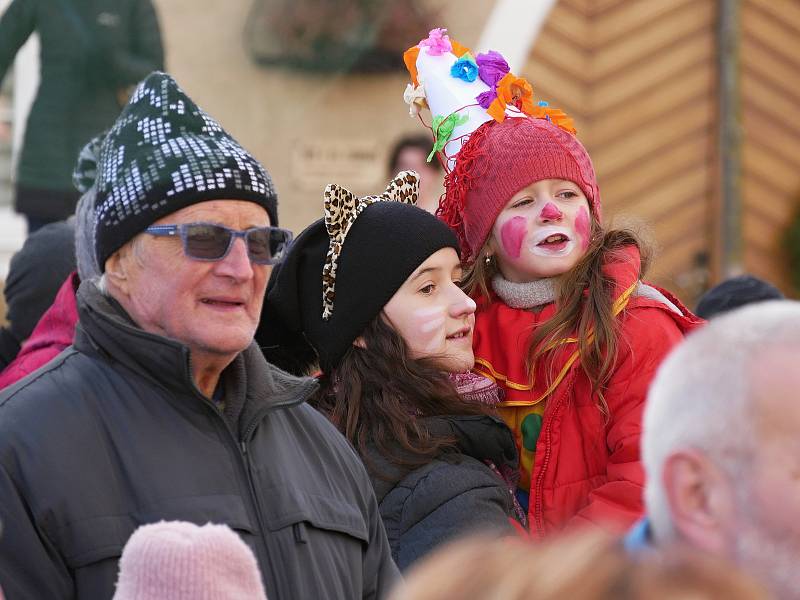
column 355, row 164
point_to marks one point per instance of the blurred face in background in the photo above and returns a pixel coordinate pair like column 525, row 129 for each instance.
column 413, row 158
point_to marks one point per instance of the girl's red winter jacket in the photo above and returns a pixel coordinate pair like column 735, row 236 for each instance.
column 586, row 466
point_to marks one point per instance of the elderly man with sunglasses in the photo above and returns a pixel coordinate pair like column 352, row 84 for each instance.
column 164, row 408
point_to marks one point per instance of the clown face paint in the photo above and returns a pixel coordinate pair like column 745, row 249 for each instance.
column 432, row 315
column 583, row 227
column 543, row 231
column 512, row 233
column 551, row 212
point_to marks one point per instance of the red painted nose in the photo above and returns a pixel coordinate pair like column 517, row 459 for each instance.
column 551, row 212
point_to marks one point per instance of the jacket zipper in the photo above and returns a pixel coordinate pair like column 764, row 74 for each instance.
column 241, row 449
column 538, row 515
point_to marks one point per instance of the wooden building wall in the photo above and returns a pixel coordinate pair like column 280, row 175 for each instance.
column 770, row 92
column 640, row 78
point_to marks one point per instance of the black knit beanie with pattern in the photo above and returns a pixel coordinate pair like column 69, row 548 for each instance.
column 163, row 154
column 383, row 247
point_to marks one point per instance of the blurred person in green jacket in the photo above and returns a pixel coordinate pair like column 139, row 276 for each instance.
column 92, row 52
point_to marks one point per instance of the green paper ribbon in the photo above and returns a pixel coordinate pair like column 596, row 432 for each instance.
column 443, row 130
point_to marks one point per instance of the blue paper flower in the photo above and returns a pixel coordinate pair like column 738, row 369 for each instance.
column 465, row 68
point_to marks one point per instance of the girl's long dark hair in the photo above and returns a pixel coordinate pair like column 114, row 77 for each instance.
column 378, row 396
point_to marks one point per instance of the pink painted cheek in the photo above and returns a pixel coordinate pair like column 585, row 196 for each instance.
column 428, row 327
column 582, row 227
column 551, row 212
column 512, row 233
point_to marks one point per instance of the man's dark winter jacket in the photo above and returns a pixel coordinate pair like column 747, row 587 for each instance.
column 453, row 495
column 113, row 434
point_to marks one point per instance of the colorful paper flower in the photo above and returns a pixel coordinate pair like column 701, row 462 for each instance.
column 415, row 98
column 465, row 68
column 515, row 91
column 410, row 59
column 443, row 130
column 437, row 42
column 485, row 99
column 458, row 49
column 492, row 67
column 555, row 115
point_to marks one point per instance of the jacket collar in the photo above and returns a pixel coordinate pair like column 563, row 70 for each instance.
column 483, row 437
column 106, row 330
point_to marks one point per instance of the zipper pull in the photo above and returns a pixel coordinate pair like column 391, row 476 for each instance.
column 243, row 446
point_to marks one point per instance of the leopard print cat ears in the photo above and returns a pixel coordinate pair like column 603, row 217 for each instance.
column 342, row 208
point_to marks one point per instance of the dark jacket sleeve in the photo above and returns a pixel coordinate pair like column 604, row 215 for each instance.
column 16, row 26
column 380, row 571
column 147, row 51
column 30, row 566
column 443, row 502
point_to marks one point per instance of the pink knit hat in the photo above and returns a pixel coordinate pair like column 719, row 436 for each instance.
column 176, row 560
column 500, row 159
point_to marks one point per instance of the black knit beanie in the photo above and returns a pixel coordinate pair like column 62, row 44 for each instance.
column 385, row 244
column 163, row 154
column 35, row 275
column 733, row 293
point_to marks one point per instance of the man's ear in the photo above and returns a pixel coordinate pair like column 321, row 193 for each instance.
column 117, row 270
column 700, row 499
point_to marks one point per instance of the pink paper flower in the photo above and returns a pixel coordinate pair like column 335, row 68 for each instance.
column 437, row 42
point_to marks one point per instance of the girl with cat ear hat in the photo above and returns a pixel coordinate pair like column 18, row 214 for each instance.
column 369, row 295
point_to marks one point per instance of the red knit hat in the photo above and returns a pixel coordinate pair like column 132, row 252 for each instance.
column 500, row 159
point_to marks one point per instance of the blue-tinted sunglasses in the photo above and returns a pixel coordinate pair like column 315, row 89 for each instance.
column 208, row 241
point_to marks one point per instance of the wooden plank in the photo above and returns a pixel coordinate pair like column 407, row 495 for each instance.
column 770, row 32
column 783, row 106
column 678, row 254
column 570, row 23
column 600, row 8
column 676, row 60
column 625, row 153
column 760, row 233
column 786, row 12
column 775, row 131
column 560, row 53
column 769, row 166
column 542, row 75
column 639, row 44
column 760, row 197
column 583, row 7
column 685, row 223
column 691, row 187
column 653, row 104
column 757, row 58
column 610, row 26
column 655, row 170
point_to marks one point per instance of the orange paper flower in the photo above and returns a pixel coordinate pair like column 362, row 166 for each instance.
column 556, row 116
column 410, row 58
column 512, row 90
column 458, row 49
column 517, row 92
